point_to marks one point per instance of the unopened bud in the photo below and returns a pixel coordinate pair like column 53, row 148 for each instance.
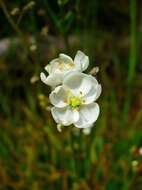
column 15, row 11
column 140, row 151
column 59, row 127
column 29, row 5
column 34, row 79
column 33, row 47
column 94, row 71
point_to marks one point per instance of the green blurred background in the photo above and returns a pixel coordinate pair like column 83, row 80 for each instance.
column 33, row 154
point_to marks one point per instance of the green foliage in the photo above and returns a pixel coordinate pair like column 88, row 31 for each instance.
column 33, row 154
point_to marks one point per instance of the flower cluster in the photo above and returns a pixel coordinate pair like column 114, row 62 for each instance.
column 74, row 92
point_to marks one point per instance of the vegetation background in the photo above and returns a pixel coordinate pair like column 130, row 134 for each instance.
column 33, row 154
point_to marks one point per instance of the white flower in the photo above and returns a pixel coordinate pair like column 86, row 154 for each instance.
column 59, row 67
column 74, row 100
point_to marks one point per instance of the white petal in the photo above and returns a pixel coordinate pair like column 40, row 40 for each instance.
column 48, row 68
column 93, row 94
column 58, row 97
column 54, row 65
column 65, row 116
column 43, row 77
column 51, row 80
column 78, row 83
column 99, row 90
column 65, row 58
column 88, row 114
column 81, row 61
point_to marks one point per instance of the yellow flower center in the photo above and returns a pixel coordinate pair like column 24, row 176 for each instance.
column 65, row 66
column 75, row 102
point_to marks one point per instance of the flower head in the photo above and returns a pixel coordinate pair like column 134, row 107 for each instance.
column 74, row 100
column 59, row 67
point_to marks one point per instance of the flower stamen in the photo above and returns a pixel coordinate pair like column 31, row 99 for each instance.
column 64, row 66
column 75, row 102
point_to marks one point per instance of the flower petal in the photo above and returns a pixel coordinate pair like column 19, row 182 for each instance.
column 78, row 83
column 81, row 61
column 54, row 65
column 58, row 97
column 88, row 115
column 65, row 58
column 43, row 77
column 65, row 116
column 93, row 94
column 51, row 80
column 48, row 68
column 99, row 90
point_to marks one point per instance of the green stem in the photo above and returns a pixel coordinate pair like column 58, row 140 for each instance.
column 10, row 20
column 133, row 54
column 132, row 60
column 16, row 29
column 53, row 17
